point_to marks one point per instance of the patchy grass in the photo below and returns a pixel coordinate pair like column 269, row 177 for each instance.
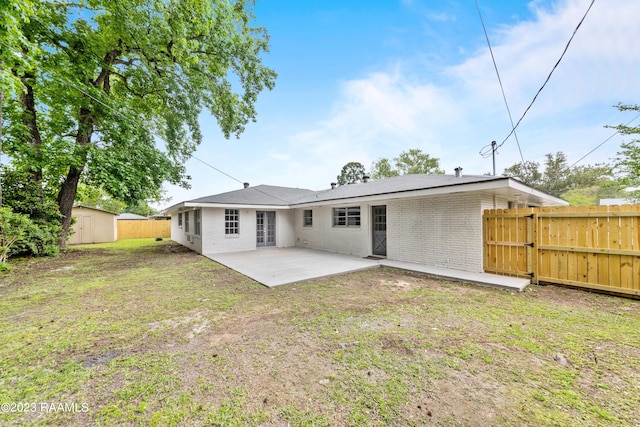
column 147, row 333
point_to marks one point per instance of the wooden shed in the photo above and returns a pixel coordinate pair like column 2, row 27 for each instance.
column 93, row 226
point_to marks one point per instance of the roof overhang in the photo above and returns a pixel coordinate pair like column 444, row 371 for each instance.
column 186, row 206
column 507, row 188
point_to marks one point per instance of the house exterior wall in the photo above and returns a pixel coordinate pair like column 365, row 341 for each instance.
column 213, row 238
column 442, row 231
column 93, row 226
column 179, row 233
column 489, row 201
column 322, row 235
column 285, row 229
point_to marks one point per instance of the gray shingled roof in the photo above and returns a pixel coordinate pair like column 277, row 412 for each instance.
column 285, row 196
column 259, row 195
column 396, row 184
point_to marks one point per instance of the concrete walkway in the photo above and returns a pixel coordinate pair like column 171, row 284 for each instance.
column 483, row 279
column 280, row 266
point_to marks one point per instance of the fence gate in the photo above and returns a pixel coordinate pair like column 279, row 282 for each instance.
column 509, row 245
column 596, row 247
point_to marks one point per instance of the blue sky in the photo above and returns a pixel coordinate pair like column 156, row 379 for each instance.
column 363, row 80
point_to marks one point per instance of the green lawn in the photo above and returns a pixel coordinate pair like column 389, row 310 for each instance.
column 146, row 333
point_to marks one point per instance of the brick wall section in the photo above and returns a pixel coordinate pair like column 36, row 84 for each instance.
column 443, row 231
column 214, row 240
column 324, row 236
column 285, row 229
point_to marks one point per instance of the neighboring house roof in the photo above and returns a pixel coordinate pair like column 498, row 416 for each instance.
column 95, row 209
column 159, row 217
column 615, row 201
column 128, row 215
column 413, row 185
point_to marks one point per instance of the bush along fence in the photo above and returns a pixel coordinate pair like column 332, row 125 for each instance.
column 595, row 247
column 141, row 229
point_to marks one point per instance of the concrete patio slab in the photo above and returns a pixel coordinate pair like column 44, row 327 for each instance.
column 483, row 279
column 280, row 266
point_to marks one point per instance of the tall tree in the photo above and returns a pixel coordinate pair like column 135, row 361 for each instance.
column 528, row 172
column 628, row 160
column 112, row 79
column 556, row 173
column 13, row 49
column 413, row 161
column 351, row 173
column 382, row 169
column 580, row 185
column 97, row 198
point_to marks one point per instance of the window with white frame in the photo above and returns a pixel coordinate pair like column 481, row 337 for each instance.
column 197, row 214
column 307, row 216
column 186, row 222
column 180, row 220
column 346, row 217
column 231, row 221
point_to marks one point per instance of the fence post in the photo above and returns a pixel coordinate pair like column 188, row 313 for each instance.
column 535, row 247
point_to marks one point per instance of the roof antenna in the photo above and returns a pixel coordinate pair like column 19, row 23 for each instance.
column 485, row 153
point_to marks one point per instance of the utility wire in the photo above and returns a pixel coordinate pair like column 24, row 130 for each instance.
column 549, row 76
column 504, row 96
column 604, row 142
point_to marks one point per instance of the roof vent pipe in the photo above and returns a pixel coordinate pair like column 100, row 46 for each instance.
column 333, row 185
column 365, row 178
column 458, row 172
column 246, row 185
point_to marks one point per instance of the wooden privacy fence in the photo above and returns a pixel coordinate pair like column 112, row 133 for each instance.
column 595, row 247
column 143, row 228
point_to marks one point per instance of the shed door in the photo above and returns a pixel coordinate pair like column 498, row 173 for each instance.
column 265, row 228
column 86, row 230
column 379, row 223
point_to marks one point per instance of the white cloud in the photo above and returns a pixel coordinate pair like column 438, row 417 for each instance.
column 597, row 67
column 389, row 111
column 385, row 113
column 377, row 116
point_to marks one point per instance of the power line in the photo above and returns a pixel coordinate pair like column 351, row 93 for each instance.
column 604, row 142
column 549, row 76
column 504, row 96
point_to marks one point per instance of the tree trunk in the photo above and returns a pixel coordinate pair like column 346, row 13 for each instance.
column 66, row 198
column 1, row 105
column 29, row 119
column 67, row 194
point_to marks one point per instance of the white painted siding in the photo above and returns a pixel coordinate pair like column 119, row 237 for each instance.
column 179, row 235
column 324, row 236
column 443, row 231
column 214, row 240
column 489, row 201
column 285, row 229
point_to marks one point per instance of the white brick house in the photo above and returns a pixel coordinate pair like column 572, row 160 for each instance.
column 427, row 219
